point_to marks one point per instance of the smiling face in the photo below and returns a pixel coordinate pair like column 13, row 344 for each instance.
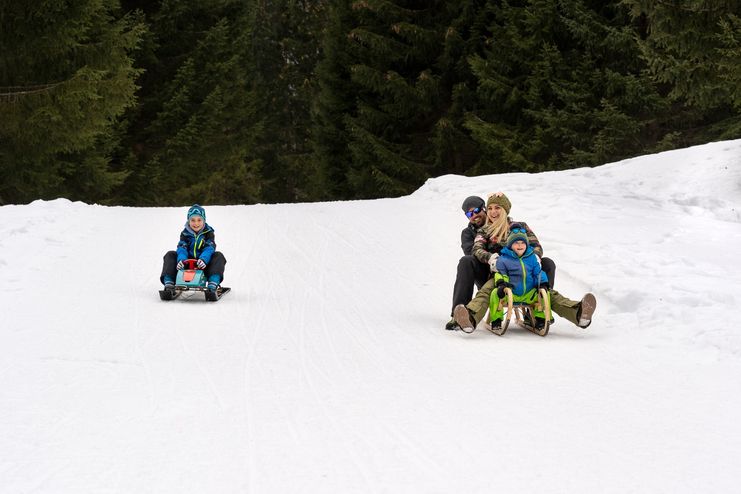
column 196, row 223
column 476, row 219
column 494, row 211
column 519, row 247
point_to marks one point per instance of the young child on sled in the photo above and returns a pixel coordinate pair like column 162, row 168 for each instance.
column 197, row 241
column 517, row 268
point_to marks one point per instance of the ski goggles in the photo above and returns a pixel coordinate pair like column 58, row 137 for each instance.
column 518, row 230
column 470, row 213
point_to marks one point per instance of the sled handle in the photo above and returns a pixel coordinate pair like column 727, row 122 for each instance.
column 190, row 264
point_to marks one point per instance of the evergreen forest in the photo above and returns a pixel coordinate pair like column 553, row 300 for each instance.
column 170, row 102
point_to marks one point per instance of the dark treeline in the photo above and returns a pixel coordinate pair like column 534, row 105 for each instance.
column 171, row 102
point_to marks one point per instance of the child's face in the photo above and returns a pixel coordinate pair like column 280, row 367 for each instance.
column 196, row 223
column 494, row 211
column 519, row 247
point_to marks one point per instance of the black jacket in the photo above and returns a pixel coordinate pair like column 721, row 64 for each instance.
column 467, row 237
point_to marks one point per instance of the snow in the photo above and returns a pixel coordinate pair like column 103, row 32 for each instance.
column 327, row 368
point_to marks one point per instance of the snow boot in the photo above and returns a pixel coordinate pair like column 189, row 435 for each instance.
column 452, row 325
column 169, row 284
column 464, row 318
column 586, row 308
column 496, row 324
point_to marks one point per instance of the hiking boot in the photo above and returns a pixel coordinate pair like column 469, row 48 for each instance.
column 452, row 325
column 464, row 318
column 586, row 309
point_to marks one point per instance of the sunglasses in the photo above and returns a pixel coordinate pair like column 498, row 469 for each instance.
column 518, row 230
column 470, row 213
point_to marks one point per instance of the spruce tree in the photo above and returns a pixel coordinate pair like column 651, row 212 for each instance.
column 225, row 104
column 66, row 76
column 380, row 115
column 561, row 85
column 334, row 99
column 693, row 49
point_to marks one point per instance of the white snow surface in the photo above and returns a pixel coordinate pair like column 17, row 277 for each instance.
column 327, row 368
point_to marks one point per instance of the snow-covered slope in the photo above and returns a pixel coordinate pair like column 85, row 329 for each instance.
column 327, row 368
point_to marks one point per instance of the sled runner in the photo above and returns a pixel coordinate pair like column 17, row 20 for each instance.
column 192, row 279
column 524, row 316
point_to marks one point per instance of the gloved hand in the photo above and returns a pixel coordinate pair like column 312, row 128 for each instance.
column 501, row 285
column 200, row 264
column 545, row 287
column 180, row 265
column 493, row 262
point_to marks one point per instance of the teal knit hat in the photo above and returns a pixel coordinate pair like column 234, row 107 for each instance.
column 517, row 232
column 197, row 210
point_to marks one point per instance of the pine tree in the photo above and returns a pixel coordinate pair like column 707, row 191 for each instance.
column 455, row 149
column 381, row 114
column 66, row 76
column 563, row 86
column 693, row 48
column 285, row 51
column 225, row 104
column 334, row 99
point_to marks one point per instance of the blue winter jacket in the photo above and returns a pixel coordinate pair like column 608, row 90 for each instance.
column 199, row 245
column 524, row 273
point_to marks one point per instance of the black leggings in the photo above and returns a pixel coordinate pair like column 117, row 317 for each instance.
column 170, row 266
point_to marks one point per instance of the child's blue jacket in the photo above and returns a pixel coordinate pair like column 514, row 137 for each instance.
column 523, row 273
column 199, row 245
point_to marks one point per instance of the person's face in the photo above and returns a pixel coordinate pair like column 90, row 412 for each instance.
column 476, row 216
column 519, row 248
column 196, row 223
column 494, row 211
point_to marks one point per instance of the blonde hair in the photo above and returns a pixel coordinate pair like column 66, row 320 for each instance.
column 498, row 230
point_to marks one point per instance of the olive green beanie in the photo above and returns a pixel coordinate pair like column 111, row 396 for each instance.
column 501, row 200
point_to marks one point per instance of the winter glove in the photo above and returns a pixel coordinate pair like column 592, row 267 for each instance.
column 180, row 265
column 493, row 262
column 501, row 285
column 200, row 264
column 545, row 287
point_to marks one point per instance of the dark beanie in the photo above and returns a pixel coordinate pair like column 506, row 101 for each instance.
column 472, row 202
column 517, row 232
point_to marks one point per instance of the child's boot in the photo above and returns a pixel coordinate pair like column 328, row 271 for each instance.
column 169, row 283
column 496, row 324
column 213, row 282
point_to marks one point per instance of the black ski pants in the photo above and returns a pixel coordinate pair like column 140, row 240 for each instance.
column 170, row 266
column 471, row 272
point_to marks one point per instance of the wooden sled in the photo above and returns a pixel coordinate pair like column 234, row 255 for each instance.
column 542, row 304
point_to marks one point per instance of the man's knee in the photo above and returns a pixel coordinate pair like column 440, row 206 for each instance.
column 549, row 267
column 467, row 264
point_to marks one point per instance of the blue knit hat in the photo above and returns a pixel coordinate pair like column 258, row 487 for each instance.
column 517, row 232
column 197, row 210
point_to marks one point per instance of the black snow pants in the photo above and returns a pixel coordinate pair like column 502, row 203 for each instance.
column 215, row 266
